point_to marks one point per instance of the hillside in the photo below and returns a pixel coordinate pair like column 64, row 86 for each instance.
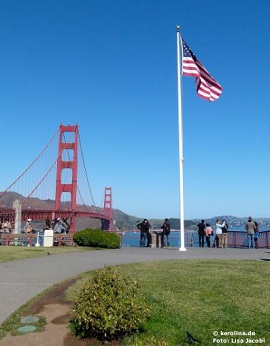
column 124, row 221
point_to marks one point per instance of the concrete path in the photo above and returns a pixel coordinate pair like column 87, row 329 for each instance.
column 23, row 279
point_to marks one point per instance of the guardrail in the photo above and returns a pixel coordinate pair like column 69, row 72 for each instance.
column 236, row 239
column 239, row 239
column 22, row 239
column 8, row 239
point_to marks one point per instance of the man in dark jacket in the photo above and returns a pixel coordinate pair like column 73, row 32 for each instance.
column 144, row 227
column 166, row 229
column 201, row 233
column 251, row 229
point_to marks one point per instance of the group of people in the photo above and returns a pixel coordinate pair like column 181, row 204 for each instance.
column 59, row 225
column 220, row 233
column 146, row 237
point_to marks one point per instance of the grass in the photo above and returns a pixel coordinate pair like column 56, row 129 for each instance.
column 11, row 253
column 14, row 321
column 202, row 296
column 199, row 296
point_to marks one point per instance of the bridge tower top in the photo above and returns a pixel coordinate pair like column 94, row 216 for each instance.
column 108, row 205
column 69, row 162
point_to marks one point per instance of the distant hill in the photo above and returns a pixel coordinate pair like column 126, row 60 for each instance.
column 235, row 221
column 127, row 222
column 124, row 221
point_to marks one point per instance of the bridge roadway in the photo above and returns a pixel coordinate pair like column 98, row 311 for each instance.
column 22, row 280
column 41, row 214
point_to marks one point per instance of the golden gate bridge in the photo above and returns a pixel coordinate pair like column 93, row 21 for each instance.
column 55, row 194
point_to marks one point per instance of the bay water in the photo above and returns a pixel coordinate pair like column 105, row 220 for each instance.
column 132, row 238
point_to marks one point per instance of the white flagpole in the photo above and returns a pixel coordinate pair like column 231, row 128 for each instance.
column 180, row 142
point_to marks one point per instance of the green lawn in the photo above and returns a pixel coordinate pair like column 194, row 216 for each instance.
column 204, row 297
column 11, row 253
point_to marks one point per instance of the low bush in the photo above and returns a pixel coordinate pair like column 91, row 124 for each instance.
column 109, row 306
column 97, row 238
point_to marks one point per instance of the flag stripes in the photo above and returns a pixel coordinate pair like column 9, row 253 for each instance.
column 207, row 87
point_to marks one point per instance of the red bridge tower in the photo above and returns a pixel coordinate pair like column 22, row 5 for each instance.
column 67, row 160
column 108, row 206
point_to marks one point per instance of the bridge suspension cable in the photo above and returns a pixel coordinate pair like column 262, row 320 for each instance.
column 86, row 175
column 68, row 139
column 33, row 162
column 36, row 206
column 39, row 183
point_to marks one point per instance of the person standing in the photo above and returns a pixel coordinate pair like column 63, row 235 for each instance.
column 208, row 234
column 219, row 227
column 28, row 227
column 47, row 224
column 144, row 227
column 201, row 233
column 166, row 229
column 224, row 234
column 7, row 226
column 256, row 235
column 251, row 229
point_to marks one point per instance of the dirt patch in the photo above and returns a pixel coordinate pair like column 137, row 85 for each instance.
column 56, row 295
column 56, row 309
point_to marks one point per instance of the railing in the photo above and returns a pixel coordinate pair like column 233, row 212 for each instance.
column 8, row 239
column 239, row 239
column 236, row 239
column 31, row 239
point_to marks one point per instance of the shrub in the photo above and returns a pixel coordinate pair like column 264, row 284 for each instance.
column 109, row 306
column 97, row 238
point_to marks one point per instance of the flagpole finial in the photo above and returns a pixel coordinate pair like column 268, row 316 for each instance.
column 178, row 28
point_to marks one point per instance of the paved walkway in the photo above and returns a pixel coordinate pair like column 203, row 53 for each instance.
column 23, row 279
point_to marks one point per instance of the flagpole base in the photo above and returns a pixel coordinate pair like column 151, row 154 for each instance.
column 182, row 249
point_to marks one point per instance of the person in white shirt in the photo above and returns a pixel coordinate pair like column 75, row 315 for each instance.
column 219, row 227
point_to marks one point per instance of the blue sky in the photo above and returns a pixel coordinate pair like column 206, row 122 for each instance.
column 110, row 67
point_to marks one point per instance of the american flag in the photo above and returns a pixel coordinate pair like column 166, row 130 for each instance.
column 207, row 87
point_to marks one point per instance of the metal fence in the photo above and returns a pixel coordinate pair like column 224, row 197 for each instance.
column 236, row 239
column 239, row 239
column 34, row 239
